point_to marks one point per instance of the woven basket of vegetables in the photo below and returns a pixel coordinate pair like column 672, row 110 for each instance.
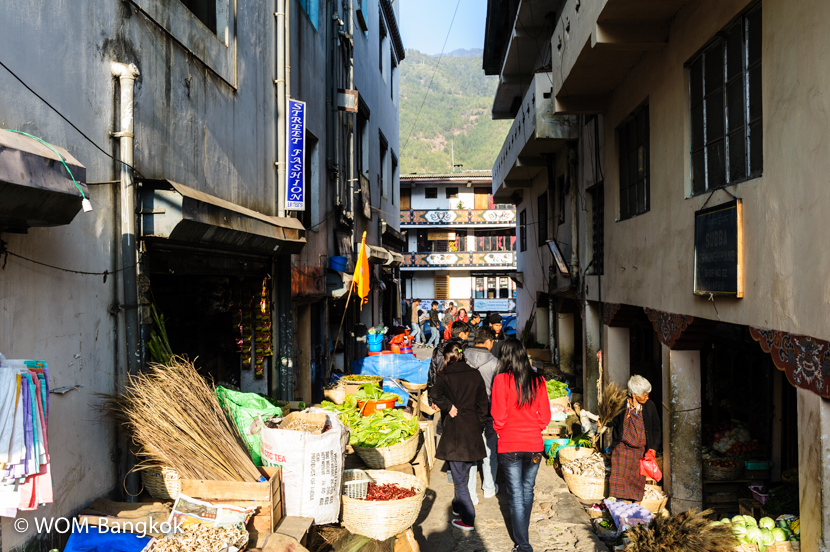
column 385, row 516
column 382, row 457
column 569, row 453
column 722, row 470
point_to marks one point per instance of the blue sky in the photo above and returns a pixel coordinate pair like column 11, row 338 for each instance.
column 424, row 24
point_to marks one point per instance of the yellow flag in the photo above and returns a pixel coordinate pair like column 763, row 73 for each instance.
column 362, row 278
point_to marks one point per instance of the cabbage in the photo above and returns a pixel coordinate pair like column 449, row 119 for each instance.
column 715, row 523
column 753, row 534
column 726, row 520
column 739, row 530
column 739, row 519
column 766, row 523
column 767, row 537
column 750, row 521
column 779, row 534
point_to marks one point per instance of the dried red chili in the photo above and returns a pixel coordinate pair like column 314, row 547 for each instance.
column 388, row 491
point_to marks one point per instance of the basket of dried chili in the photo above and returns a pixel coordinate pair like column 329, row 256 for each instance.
column 391, row 505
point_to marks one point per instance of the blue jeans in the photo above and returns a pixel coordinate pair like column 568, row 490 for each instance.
column 462, row 503
column 490, row 464
column 434, row 336
column 520, row 474
column 415, row 334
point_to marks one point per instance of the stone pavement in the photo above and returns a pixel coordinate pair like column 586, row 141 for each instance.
column 558, row 522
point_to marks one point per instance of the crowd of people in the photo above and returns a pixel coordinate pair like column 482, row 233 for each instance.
column 493, row 407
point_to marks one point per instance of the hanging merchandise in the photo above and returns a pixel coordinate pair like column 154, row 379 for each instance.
column 25, row 476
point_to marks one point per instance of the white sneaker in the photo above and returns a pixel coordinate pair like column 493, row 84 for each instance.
column 494, row 492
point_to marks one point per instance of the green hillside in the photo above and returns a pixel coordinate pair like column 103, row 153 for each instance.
column 457, row 108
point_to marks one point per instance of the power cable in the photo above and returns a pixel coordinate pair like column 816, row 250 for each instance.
column 5, row 254
column 61, row 115
column 63, row 160
column 431, row 79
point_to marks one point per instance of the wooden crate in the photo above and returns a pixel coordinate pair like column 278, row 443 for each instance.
column 419, row 466
column 750, row 507
column 265, row 496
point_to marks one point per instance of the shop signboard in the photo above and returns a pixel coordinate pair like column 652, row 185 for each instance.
column 494, row 305
column 295, row 142
column 719, row 250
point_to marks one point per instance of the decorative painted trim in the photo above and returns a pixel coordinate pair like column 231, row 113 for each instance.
column 668, row 326
column 805, row 360
column 437, row 217
column 477, row 259
column 609, row 311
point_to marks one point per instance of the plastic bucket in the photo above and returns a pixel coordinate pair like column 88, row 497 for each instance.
column 375, row 347
column 553, row 445
column 374, row 338
column 373, row 406
column 396, row 349
column 338, row 263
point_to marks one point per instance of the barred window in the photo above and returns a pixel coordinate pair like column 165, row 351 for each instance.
column 634, row 165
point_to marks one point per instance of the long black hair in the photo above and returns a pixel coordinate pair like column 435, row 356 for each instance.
column 513, row 360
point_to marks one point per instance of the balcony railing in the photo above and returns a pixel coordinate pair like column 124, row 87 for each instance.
column 458, row 217
column 460, row 260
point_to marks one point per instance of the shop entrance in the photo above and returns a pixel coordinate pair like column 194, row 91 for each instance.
column 217, row 312
column 750, row 430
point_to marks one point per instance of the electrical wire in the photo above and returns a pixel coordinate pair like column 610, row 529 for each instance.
column 48, row 145
column 61, row 115
column 431, row 78
column 5, row 254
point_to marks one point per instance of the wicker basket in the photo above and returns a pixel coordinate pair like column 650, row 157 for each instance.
column 356, row 483
column 336, row 395
column 425, row 407
column 381, row 520
column 161, row 483
column 414, row 387
column 785, row 546
column 569, row 454
column 714, row 473
column 380, row 458
column 747, row 548
column 656, row 505
column 585, row 487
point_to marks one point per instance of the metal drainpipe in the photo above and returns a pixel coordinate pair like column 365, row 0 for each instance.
column 126, row 75
column 574, row 180
column 281, row 18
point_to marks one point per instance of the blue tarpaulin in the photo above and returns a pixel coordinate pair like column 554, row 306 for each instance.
column 403, row 366
column 91, row 540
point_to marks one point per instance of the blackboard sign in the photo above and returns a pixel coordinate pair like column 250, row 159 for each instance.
column 718, row 250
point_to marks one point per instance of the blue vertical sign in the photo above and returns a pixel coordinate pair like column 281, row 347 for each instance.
column 295, row 189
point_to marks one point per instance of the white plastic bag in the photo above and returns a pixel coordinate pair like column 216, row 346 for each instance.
column 312, row 467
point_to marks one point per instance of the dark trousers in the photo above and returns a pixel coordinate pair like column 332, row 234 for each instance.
column 462, row 503
column 520, row 474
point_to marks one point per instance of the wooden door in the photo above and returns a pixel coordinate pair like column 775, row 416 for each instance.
column 406, row 199
column 482, row 198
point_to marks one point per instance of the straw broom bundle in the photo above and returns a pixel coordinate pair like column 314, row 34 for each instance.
column 689, row 531
column 173, row 416
column 611, row 405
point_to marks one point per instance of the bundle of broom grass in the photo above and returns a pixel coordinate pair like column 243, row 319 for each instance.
column 611, row 405
column 689, row 531
column 173, row 416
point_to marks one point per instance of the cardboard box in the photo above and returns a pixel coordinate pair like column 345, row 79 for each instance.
column 300, row 421
column 265, row 496
column 419, row 466
column 429, row 439
column 405, row 542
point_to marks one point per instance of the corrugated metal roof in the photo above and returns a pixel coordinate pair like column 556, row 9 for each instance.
column 463, row 175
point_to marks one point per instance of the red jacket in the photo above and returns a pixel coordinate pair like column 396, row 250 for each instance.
column 519, row 429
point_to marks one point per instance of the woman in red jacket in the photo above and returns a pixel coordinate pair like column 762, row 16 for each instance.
column 520, row 410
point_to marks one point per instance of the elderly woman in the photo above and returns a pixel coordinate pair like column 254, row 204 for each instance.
column 635, row 431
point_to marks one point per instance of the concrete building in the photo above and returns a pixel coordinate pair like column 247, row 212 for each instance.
column 461, row 245
column 674, row 148
column 183, row 110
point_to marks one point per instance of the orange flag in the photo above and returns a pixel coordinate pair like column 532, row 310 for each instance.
column 362, row 278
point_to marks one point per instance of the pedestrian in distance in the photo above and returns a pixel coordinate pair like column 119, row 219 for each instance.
column 480, row 358
column 633, row 432
column 520, row 410
column 459, row 338
column 462, row 316
column 413, row 318
column 475, row 324
column 495, row 321
column 434, row 326
column 460, row 394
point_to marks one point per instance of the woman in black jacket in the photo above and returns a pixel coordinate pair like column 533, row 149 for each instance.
column 460, row 394
column 634, row 432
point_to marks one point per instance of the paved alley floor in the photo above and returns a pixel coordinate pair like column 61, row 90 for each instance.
column 558, row 522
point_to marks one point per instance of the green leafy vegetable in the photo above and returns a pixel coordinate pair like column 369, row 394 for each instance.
column 556, row 389
column 382, row 429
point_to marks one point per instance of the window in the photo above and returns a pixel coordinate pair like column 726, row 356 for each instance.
column 441, row 287
column 725, row 93
column 479, row 288
column 362, row 13
column 452, row 193
column 362, row 145
column 394, row 74
column 634, row 165
column 430, row 193
column 205, row 11
column 310, row 215
column 542, row 212
column 310, row 7
column 383, row 173
column 504, row 290
column 523, row 230
column 382, row 45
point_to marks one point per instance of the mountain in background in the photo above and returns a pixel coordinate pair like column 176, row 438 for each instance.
column 457, row 111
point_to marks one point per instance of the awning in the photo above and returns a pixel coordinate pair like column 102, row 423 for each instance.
column 177, row 213
column 35, row 186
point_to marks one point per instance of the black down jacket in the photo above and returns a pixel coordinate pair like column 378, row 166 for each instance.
column 461, row 386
